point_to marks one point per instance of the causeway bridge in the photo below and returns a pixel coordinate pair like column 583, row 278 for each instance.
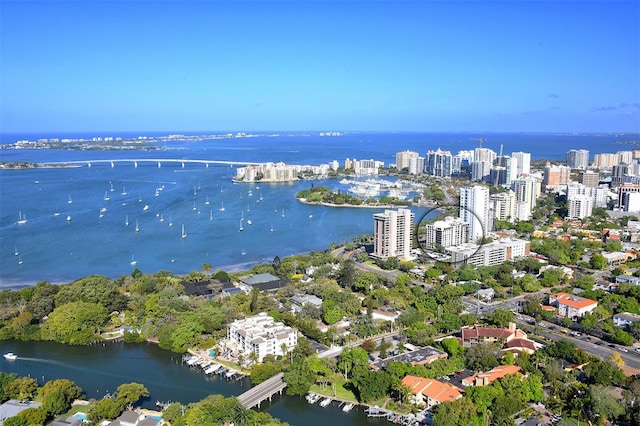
column 264, row 390
column 136, row 161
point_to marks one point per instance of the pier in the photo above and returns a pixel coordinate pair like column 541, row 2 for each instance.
column 265, row 390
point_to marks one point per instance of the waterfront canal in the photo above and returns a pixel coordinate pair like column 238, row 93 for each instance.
column 100, row 368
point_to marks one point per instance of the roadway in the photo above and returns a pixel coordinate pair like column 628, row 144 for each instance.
column 263, row 391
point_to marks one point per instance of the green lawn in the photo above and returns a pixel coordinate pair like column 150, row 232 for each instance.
column 337, row 382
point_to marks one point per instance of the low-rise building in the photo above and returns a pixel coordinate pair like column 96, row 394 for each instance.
column 13, row 407
column 626, row 319
column 430, row 392
column 261, row 335
column 417, row 356
column 482, row 334
column 264, row 282
column 490, row 254
column 572, row 306
column 488, row 377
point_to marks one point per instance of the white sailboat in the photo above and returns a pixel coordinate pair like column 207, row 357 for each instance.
column 20, row 262
column 106, row 196
column 184, row 234
column 124, row 190
column 137, row 227
column 271, row 228
column 222, row 206
column 210, row 215
column 68, row 218
column 69, row 201
column 249, row 222
column 241, row 228
column 242, row 216
column 16, row 253
column 133, row 262
column 194, row 206
column 126, row 220
column 170, row 222
column 111, row 189
column 283, row 212
column 22, row 219
column 206, row 203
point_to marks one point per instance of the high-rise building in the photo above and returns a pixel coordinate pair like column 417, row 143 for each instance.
column 555, row 176
column 589, row 178
column 524, row 163
column 416, row 165
column 527, row 191
column 618, row 173
column 403, row 158
column 625, row 156
column 502, row 171
column 438, row 163
column 623, row 198
column 503, row 205
column 605, row 160
column 446, row 233
column 578, row 159
column 580, row 206
column 392, row 234
column 474, row 210
column 598, row 195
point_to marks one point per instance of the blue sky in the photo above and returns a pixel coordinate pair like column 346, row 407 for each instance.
column 547, row 66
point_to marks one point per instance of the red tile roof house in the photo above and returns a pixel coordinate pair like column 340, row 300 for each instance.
column 481, row 334
column 572, row 306
column 430, row 392
column 488, row 377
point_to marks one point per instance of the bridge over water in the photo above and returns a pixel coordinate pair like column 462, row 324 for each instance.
column 136, row 161
column 264, row 390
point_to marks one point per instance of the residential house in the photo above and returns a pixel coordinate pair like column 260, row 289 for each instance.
column 417, row 356
column 264, row 282
column 13, row 407
column 431, row 392
column 626, row 319
column 572, row 306
column 488, row 377
column 131, row 418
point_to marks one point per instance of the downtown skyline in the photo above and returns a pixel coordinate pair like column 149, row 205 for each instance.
column 571, row 66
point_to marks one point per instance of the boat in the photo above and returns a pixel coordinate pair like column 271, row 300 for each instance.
column 16, row 252
column 184, row 234
column 137, row 227
column 69, row 201
column 207, row 201
column 243, row 252
column 111, row 189
column 161, row 218
column 250, row 194
column 20, row 262
column 145, row 208
column 133, row 261
column 68, row 218
column 170, row 222
column 222, row 206
column 126, row 220
column 106, row 196
column 312, row 398
column 210, row 215
column 103, row 210
column 242, row 216
column 56, row 214
column 10, row 356
column 271, row 228
column 325, row 402
column 124, row 190
column 249, row 222
column 22, row 219
column 347, row 407
column 194, row 206
column 283, row 212
column 241, row 228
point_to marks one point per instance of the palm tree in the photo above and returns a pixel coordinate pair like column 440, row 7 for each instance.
column 254, row 358
column 241, row 360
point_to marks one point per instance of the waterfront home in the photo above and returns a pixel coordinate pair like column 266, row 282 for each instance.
column 626, row 319
column 67, row 421
column 132, row 418
column 13, row 407
column 430, row 392
column 488, row 377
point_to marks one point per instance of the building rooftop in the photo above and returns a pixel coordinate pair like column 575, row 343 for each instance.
column 573, row 301
column 418, row 356
column 432, row 388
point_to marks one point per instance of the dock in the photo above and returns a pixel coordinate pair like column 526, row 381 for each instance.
column 265, row 390
column 393, row 417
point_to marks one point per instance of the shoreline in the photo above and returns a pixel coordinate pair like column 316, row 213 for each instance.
column 359, row 206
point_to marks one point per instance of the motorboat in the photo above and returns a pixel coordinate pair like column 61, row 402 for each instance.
column 10, row 356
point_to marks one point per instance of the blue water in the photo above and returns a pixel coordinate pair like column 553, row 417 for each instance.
column 54, row 249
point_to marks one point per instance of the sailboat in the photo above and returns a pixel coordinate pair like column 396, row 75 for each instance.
column 133, row 261
column 241, row 228
column 16, row 253
column 283, row 212
column 170, row 222
column 111, row 189
column 249, row 222
column 20, row 260
column 210, row 215
column 207, row 201
column 221, row 208
column 22, row 219
column 106, row 196
column 69, row 201
column 161, row 218
column 184, row 234
column 242, row 216
column 126, row 220
column 137, row 227
column 68, row 218
column 124, row 190
column 194, row 206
